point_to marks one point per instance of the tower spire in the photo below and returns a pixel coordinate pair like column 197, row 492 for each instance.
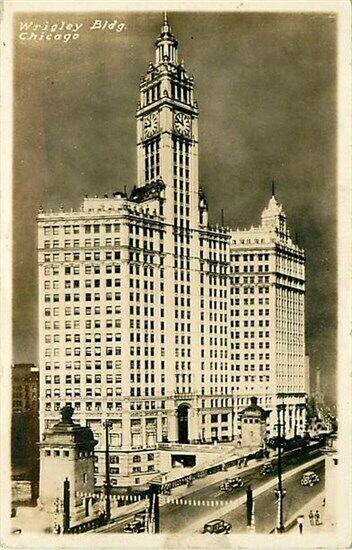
column 166, row 44
column 166, row 27
column 273, row 189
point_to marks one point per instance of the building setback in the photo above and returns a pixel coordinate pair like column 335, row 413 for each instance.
column 139, row 300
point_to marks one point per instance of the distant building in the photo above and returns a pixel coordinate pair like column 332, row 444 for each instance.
column 25, row 425
column 307, row 375
column 318, row 393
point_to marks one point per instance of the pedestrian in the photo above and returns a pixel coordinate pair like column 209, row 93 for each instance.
column 311, row 517
column 300, row 524
column 317, row 518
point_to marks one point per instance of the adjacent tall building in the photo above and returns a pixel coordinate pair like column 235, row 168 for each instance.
column 154, row 319
column 267, row 320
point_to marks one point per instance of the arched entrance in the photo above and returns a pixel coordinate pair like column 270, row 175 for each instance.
column 182, row 413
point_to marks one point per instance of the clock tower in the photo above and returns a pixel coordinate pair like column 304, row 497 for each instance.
column 167, row 132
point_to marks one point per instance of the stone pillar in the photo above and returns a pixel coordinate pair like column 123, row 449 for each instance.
column 289, row 430
column 296, row 416
column 159, row 429
column 207, row 427
column 143, row 432
column 193, row 425
column 126, row 430
column 230, row 425
column 172, row 427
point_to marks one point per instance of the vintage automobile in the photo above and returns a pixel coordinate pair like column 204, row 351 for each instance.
column 309, row 478
column 267, row 468
column 217, row 526
column 135, row 526
column 231, row 484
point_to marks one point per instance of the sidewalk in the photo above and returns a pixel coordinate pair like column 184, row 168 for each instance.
column 309, row 525
column 31, row 520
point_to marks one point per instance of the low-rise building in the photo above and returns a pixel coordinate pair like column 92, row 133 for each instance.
column 25, row 429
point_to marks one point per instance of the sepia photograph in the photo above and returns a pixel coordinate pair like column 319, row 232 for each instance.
column 176, row 357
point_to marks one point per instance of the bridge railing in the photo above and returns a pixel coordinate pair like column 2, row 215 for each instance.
column 87, row 525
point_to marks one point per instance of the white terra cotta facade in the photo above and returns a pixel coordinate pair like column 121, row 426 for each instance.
column 138, row 299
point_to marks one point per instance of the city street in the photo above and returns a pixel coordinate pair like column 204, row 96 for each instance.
column 176, row 518
column 266, row 508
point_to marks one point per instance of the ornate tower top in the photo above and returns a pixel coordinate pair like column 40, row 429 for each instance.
column 166, row 44
column 273, row 216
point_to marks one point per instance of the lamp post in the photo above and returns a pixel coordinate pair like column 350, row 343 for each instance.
column 107, row 425
column 279, row 492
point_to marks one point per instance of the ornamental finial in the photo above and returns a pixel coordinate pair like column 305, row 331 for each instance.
column 166, row 26
column 66, row 414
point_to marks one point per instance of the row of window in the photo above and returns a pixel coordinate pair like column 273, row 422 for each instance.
column 78, row 243
column 76, row 324
column 55, row 352
column 216, row 244
column 88, row 405
column 97, row 310
column 145, row 231
column 96, row 365
column 250, row 323
column 75, row 229
column 145, row 391
column 77, row 256
column 89, row 392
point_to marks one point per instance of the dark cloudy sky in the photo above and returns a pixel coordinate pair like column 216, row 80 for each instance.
column 266, row 87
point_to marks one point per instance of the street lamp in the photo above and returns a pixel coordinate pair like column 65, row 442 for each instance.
column 279, row 492
column 107, row 424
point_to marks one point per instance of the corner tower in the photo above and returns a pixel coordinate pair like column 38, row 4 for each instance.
column 167, row 131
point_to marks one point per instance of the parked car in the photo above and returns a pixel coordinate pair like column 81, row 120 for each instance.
column 309, row 478
column 136, row 526
column 267, row 468
column 231, row 484
column 217, row 526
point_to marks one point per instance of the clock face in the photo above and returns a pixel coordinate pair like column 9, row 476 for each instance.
column 183, row 124
column 150, row 124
